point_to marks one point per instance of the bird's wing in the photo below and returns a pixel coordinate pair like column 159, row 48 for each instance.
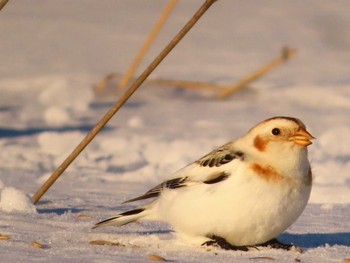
column 220, row 156
column 206, row 170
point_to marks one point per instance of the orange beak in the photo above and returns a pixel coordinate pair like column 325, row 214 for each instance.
column 302, row 137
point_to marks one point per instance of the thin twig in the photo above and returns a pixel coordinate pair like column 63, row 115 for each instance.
column 136, row 84
column 101, row 85
column 149, row 40
column 220, row 88
column 226, row 89
column 146, row 45
column 106, row 243
column 286, row 54
column 187, row 84
column 3, row 3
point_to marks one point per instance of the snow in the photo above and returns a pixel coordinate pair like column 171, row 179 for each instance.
column 13, row 200
column 55, row 116
column 47, row 105
column 60, row 93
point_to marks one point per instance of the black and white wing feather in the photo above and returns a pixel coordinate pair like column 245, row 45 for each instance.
column 203, row 171
column 219, row 157
column 155, row 191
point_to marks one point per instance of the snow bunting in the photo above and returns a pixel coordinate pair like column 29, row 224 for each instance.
column 245, row 193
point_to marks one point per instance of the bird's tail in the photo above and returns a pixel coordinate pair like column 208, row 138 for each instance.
column 123, row 219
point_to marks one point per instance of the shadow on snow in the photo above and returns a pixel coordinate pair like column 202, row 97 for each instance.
column 313, row 240
column 10, row 133
column 58, row 211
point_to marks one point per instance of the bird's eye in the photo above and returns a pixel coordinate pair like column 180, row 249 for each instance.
column 276, row 131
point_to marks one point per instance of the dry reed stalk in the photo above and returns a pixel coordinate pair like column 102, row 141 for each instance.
column 4, row 237
column 145, row 47
column 106, row 243
column 103, row 83
column 263, row 258
column 227, row 90
column 286, row 54
column 147, row 44
column 128, row 93
column 155, row 257
column 187, row 84
column 37, row 244
column 3, row 3
column 82, row 216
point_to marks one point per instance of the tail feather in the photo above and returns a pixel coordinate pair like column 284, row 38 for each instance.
column 122, row 219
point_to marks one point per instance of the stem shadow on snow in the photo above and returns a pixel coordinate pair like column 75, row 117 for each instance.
column 10, row 133
column 314, row 240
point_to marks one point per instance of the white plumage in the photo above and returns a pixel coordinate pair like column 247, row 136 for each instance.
column 245, row 193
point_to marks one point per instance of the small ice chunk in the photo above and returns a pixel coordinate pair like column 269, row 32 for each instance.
column 15, row 200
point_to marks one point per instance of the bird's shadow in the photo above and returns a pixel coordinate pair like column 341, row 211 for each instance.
column 58, row 211
column 150, row 232
column 314, row 240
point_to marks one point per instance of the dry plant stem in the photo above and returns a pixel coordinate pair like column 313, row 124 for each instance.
column 3, row 3
column 106, row 243
column 155, row 257
column 286, row 54
column 136, row 84
column 146, row 45
column 194, row 85
column 204, row 86
column 37, row 244
column 4, row 237
column 102, row 83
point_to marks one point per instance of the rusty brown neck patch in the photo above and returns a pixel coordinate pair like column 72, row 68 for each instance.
column 267, row 172
column 259, row 143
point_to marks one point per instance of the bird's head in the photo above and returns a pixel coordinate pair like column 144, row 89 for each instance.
column 279, row 135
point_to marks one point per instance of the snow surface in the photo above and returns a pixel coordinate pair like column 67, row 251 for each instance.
column 14, row 200
column 54, row 51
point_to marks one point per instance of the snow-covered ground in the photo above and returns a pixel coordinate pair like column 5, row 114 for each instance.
column 52, row 52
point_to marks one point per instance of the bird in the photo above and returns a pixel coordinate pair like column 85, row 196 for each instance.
column 241, row 195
